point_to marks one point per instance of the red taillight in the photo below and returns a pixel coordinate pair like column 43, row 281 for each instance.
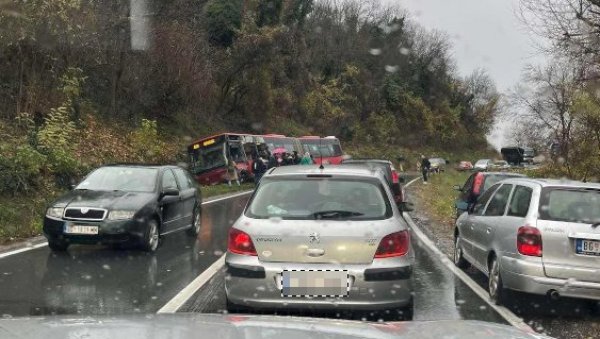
column 240, row 243
column 395, row 178
column 393, row 245
column 478, row 183
column 529, row 241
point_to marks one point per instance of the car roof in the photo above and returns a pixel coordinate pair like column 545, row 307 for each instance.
column 557, row 182
column 508, row 174
column 347, row 170
column 360, row 161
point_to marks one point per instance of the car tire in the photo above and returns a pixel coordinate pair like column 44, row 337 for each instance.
column 496, row 288
column 196, row 224
column 151, row 237
column 58, row 245
column 458, row 257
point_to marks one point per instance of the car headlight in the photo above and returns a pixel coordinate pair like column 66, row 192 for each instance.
column 55, row 212
column 120, row 215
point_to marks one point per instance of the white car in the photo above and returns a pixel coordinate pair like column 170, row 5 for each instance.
column 483, row 165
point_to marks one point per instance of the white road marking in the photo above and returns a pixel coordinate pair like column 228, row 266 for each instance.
column 24, row 249
column 178, row 300
column 45, row 243
column 510, row 317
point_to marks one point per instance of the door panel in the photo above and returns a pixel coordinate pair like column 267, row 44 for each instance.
column 483, row 229
column 472, row 221
column 188, row 197
column 170, row 205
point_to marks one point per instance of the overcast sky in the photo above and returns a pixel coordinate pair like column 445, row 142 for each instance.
column 485, row 34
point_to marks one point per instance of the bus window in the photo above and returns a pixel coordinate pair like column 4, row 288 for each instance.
column 206, row 158
column 236, row 152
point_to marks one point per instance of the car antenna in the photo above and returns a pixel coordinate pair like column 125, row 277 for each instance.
column 321, row 153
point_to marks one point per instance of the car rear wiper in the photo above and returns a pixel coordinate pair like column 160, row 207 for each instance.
column 332, row 214
column 595, row 225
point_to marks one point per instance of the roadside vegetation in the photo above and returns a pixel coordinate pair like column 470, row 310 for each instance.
column 79, row 88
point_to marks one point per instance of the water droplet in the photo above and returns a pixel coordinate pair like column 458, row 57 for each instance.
column 218, row 253
column 404, row 51
column 375, row 51
column 106, row 267
column 391, row 69
column 154, row 297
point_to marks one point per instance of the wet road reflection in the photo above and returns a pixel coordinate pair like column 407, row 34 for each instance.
column 94, row 280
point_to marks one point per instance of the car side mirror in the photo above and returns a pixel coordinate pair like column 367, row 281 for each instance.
column 457, row 188
column 169, row 192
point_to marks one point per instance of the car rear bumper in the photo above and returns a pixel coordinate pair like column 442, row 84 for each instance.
column 109, row 232
column 528, row 276
column 370, row 288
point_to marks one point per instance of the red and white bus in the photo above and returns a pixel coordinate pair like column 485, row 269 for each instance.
column 208, row 156
column 327, row 150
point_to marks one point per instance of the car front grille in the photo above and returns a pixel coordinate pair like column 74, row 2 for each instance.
column 85, row 213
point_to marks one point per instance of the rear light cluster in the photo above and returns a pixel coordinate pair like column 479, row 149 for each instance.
column 395, row 178
column 393, row 245
column 478, row 183
column 240, row 243
column 529, row 241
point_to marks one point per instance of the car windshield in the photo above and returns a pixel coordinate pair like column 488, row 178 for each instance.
column 571, row 205
column 311, row 199
column 127, row 179
column 482, row 162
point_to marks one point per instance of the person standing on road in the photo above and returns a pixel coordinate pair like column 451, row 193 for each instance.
column 272, row 162
column 425, row 167
column 306, row 159
column 232, row 174
column 259, row 168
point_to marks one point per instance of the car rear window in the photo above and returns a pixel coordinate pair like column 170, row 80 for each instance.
column 570, row 204
column 493, row 179
column 319, row 198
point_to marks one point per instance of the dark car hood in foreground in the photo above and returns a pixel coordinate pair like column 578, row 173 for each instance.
column 105, row 199
column 190, row 325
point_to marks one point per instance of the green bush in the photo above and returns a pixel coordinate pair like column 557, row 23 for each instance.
column 20, row 168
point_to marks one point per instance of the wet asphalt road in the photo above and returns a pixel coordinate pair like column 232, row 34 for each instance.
column 96, row 280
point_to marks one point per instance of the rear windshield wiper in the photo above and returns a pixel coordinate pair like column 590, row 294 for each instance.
column 595, row 225
column 335, row 214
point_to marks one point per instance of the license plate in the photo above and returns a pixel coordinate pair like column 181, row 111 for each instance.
column 81, row 229
column 315, row 283
column 587, row 247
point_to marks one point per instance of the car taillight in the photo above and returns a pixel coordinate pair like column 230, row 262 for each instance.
column 529, row 241
column 478, row 183
column 395, row 178
column 393, row 245
column 240, row 243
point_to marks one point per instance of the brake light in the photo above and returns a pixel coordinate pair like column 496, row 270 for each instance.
column 240, row 243
column 395, row 178
column 393, row 245
column 478, row 183
column 529, row 241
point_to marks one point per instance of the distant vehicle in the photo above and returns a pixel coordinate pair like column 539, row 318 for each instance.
column 535, row 236
column 327, row 150
column 476, row 185
column 518, row 155
column 391, row 175
column 464, row 166
column 501, row 165
column 437, row 164
column 303, row 225
column 483, row 165
column 125, row 204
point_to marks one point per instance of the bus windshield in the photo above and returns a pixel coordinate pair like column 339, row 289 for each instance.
column 206, row 158
column 323, row 147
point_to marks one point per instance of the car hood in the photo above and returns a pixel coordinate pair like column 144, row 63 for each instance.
column 195, row 325
column 105, row 199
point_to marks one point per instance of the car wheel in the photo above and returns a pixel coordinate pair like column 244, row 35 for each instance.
column 152, row 237
column 196, row 224
column 459, row 259
column 495, row 285
column 58, row 245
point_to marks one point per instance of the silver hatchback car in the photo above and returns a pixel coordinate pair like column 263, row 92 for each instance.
column 535, row 236
column 313, row 238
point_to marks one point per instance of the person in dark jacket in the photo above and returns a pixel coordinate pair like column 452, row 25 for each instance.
column 425, row 167
column 272, row 162
column 259, row 168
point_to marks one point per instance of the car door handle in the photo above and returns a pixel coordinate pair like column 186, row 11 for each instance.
column 315, row 252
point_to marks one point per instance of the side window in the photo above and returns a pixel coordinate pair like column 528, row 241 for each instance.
column 482, row 201
column 498, row 203
column 182, row 179
column 168, row 180
column 519, row 204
